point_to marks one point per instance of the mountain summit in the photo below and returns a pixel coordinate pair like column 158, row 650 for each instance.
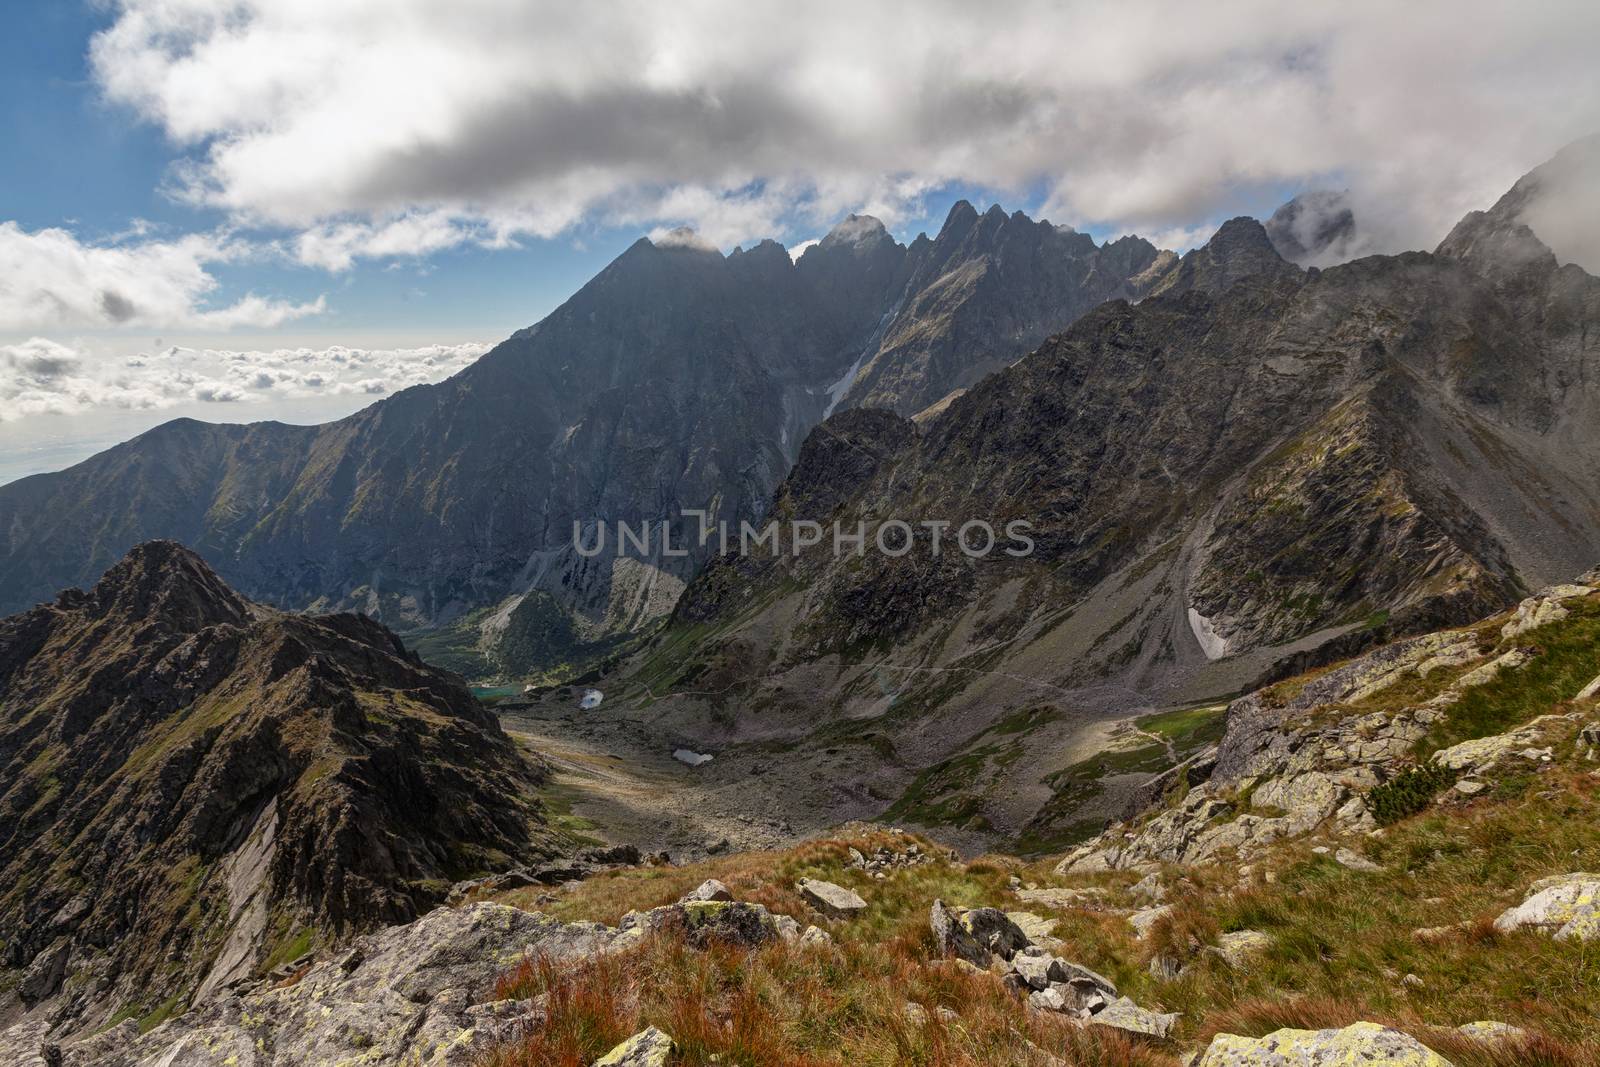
column 194, row 788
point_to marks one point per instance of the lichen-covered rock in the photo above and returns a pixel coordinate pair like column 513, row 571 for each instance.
column 1239, row 948
column 1366, row 1044
column 649, row 1048
column 1489, row 1030
column 1566, row 907
column 1124, row 1014
column 1143, row 919
column 1485, row 753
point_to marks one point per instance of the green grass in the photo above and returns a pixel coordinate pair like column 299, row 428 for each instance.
column 1568, row 659
column 1188, row 728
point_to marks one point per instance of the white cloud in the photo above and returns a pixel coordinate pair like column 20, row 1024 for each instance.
column 398, row 127
column 50, row 279
column 46, row 377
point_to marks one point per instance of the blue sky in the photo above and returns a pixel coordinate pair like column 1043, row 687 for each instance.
column 245, row 209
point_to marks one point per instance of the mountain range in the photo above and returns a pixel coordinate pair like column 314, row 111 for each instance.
column 1256, row 469
column 678, row 378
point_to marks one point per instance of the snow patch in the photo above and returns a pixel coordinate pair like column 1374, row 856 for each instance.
column 1214, row 645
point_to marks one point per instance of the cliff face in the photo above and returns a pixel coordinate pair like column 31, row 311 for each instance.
column 196, row 787
column 678, row 378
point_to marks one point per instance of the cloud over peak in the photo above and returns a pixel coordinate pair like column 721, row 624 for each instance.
column 384, row 127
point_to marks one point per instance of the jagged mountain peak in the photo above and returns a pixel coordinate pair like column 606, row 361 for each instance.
column 856, row 233
column 1550, row 216
column 163, row 581
column 1315, row 228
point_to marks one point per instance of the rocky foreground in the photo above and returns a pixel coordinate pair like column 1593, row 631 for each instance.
column 1388, row 861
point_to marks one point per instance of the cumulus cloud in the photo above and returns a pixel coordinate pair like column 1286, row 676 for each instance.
column 41, row 376
column 386, row 127
column 50, row 279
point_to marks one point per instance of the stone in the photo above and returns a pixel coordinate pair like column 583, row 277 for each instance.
column 1533, row 613
column 1355, row 861
column 1143, row 919
column 710, row 889
column 1567, row 907
column 1036, row 928
column 649, row 1048
column 832, row 900
column 1047, row 1000
column 1588, row 692
column 1124, row 1014
column 951, row 938
column 1239, row 948
column 1470, row 787
column 1489, row 1030
column 992, row 930
column 1150, row 888
column 814, row 936
column 1037, row 971
column 703, row 922
column 1359, row 1043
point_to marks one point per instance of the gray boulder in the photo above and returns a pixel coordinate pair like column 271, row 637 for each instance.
column 832, row 900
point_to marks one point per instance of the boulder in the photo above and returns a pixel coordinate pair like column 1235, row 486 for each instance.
column 703, row 922
column 1047, row 1000
column 1036, row 928
column 1143, row 919
column 1359, row 1043
column 1037, row 971
column 649, row 1048
column 830, row 899
column 1567, row 907
column 951, row 938
column 1489, row 1030
column 1124, row 1014
column 710, row 889
column 1355, row 861
column 993, row 930
column 1238, row 948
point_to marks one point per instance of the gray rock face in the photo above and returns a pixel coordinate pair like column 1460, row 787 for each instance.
column 419, row 993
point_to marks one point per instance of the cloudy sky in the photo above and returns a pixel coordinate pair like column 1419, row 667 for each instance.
column 245, row 209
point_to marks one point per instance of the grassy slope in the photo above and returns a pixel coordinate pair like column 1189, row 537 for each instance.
column 1342, row 940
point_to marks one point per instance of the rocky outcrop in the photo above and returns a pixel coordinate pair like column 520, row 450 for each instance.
column 1356, row 1043
column 196, row 788
column 1299, row 757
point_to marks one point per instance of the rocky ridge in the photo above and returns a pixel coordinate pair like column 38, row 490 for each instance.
column 198, row 789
